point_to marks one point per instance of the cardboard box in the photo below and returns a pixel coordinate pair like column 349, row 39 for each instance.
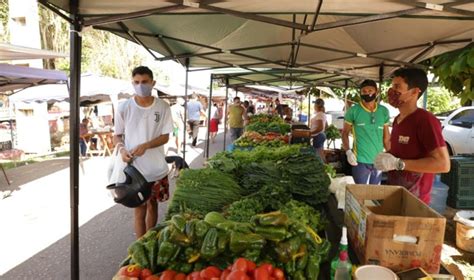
column 389, row 226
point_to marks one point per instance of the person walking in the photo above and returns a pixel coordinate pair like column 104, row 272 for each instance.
column 235, row 117
column 369, row 123
column 195, row 112
column 177, row 113
column 214, row 124
column 318, row 126
column 142, row 126
column 417, row 147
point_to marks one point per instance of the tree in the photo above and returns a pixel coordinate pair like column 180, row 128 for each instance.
column 4, row 34
column 455, row 71
column 439, row 100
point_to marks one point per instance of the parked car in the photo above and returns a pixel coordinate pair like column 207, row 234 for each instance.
column 458, row 130
column 336, row 118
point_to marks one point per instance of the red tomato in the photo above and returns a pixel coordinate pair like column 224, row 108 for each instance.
column 153, row 277
column 225, row 273
column 210, row 272
column 122, row 270
column 240, row 264
column 133, row 271
column 237, row 275
column 261, row 273
column 180, row 276
column 195, row 275
column 145, row 273
column 168, row 275
column 251, row 265
column 272, row 278
column 278, row 274
column 268, row 267
column 189, row 277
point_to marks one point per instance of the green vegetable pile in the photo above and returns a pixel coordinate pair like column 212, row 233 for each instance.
column 187, row 245
column 203, row 190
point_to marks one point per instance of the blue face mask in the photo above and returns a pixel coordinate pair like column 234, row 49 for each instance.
column 143, row 90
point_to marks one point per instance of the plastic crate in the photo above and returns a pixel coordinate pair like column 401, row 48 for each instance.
column 461, row 203
column 460, row 178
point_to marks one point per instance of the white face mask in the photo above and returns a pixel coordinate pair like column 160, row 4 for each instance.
column 143, row 90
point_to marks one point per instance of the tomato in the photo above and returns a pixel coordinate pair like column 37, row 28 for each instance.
column 168, row 275
column 251, row 265
column 210, row 272
column 145, row 273
column 133, row 271
column 272, row 278
column 268, row 267
column 278, row 274
column 240, row 264
column 237, row 275
column 180, row 276
column 153, row 277
column 122, row 270
column 189, row 277
column 261, row 273
column 225, row 273
column 196, row 275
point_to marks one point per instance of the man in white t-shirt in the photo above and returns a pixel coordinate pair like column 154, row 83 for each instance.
column 142, row 127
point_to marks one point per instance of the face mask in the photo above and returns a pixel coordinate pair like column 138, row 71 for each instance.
column 143, row 90
column 368, row 98
column 394, row 98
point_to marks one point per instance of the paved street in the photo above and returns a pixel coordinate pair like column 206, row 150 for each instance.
column 35, row 241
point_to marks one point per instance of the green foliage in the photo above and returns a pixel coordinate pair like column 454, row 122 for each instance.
column 4, row 34
column 440, row 100
column 455, row 71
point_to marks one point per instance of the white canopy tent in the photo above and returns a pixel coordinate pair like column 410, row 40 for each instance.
column 12, row 52
column 14, row 78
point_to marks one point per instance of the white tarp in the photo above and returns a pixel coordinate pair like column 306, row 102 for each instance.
column 10, row 52
column 14, row 77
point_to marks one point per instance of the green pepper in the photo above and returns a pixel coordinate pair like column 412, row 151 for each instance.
column 299, row 275
column 290, row 267
column 160, row 226
column 226, row 226
column 179, row 238
column 185, row 268
column 191, row 254
column 178, row 222
column 139, row 256
column 324, row 249
column 189, row 229
column 276, row 218
column 151, row 247
column 241, row 241
column 213, row 218
column 295, row 243
column 198, row 266
column 302, row 257
column 151, row 234
column 125, row 261
column 167, row 252
column 209, row 245
column 276, row 234
column 222, row 241
column 312, row 269
column 164, row 235
column 252, row 254
column 201, row 228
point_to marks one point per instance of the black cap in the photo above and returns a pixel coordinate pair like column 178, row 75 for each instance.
column 368, row 83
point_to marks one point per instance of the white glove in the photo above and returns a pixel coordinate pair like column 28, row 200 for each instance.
column 387, row 162
column 351, row 158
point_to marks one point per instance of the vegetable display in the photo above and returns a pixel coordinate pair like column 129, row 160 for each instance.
column 264, row 124
column 189, row 246
column 254, row 139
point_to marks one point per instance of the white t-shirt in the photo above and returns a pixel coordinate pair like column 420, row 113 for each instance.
column 142, row 124
column 318, row 116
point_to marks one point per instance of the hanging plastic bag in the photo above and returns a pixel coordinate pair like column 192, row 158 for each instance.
column 116, row 165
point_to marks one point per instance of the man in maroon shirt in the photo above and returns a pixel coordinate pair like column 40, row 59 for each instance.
column 417, row 148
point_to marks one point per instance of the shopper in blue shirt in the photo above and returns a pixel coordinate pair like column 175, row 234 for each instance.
column 195, row 112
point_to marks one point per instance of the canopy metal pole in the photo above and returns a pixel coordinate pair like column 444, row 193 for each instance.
column 75, row 80
column 185, row 108
column 309, row 107
column 346, row 85
column 209, row 106
column 225, row 110
column 381, row 73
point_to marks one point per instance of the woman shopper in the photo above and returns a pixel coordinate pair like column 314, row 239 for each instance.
column 214, row 125
column 317, row 128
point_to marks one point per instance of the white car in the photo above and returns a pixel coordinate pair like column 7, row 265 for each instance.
column 458, row 130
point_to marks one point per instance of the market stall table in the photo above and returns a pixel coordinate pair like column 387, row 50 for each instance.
column 102, row 146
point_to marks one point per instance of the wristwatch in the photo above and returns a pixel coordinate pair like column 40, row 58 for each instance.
column 400, row 165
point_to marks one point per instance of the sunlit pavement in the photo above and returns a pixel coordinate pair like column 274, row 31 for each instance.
column 34, row 236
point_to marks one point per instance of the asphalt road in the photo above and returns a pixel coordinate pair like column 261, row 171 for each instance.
column 35, row 218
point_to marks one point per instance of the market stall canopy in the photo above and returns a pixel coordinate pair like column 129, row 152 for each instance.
column 14, row 77
column 10, row 52
column 94, row 89
column 335, row 38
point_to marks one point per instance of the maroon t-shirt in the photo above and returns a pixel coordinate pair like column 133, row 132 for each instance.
column 415, row 137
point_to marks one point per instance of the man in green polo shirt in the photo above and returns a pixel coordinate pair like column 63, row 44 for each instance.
column 368, row 122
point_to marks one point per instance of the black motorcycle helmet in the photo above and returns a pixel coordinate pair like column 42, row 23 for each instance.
column 134, row 191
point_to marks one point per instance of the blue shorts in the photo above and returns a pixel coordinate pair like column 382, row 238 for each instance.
column 365, row 173
column 318, row 140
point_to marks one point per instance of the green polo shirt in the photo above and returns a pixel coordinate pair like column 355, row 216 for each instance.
column 367, row 130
